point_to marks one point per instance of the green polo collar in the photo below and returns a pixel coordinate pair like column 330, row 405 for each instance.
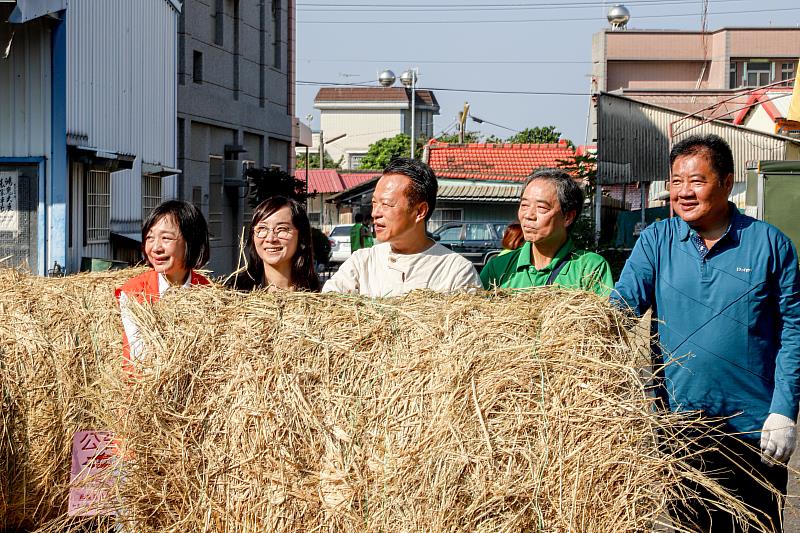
column 524, row 258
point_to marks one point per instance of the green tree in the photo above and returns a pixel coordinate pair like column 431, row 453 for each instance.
column 584, row 167
column 452, row 138
column 313, row 161
column 537, row 135
column 381, row 152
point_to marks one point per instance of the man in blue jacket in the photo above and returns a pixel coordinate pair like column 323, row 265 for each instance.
column 725, row 291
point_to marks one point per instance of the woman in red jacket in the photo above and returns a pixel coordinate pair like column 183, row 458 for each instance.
column 174, row 243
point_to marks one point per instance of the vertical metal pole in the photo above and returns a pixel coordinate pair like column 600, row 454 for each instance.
column 413, row 105
column 643, row 201
column 321, row 151
column 598, row 209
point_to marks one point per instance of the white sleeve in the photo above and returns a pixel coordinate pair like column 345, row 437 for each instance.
column 465, row 277
column 131, row 329
column 346, row 279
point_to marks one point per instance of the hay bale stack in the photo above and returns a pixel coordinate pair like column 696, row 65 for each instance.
column 295, row 412
column 55, row 335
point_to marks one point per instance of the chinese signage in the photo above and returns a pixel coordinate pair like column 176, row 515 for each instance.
column 94, row 456
column 9, row 215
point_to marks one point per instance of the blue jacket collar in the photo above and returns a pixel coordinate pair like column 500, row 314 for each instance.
column 734, row 226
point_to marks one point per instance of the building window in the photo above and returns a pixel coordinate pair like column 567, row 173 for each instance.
column 440, row 216
column 758, row 73
column 219, row 22
column 197, row 67
column 787, row 72
column 98, row 206
column 355, row 160
column 734, row 78
column 276, row 33
column 151, row 194
column 197, row 198
column 215, row 180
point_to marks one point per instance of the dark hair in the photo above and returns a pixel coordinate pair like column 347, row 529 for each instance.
column 713, row 146
column 304, row 277
column 513, row 237
column 192, row 225
column 359, row 218
column 424, row 185
column 569, row 193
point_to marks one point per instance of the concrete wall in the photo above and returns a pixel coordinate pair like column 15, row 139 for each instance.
column 656, row 75
column 363, row 127
column 242, row 98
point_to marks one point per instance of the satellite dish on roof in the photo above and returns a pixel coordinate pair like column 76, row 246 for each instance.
column 618, row 17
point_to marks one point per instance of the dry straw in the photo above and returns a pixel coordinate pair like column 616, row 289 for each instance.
column 301, row 412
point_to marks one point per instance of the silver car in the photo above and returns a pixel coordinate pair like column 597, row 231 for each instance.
column 340, row 243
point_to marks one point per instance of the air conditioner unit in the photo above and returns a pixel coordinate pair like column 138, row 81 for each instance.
column 233, row 173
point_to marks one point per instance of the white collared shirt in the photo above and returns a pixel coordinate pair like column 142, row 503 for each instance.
column 378, row 271
column 130, row 325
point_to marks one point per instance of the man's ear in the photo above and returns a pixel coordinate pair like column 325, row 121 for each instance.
column 727, row 183
column 569, row 218
column 422, row 212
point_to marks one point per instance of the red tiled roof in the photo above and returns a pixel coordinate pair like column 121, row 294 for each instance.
column 357, row 178
column 330, row 180
column 322, row 180
column 496, row 162
column 375, row 94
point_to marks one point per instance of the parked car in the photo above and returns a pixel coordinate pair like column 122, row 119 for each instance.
column 340, row 243
column 477, row 241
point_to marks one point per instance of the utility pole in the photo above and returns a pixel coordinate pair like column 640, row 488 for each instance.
column 462, row 122
column 321, row 151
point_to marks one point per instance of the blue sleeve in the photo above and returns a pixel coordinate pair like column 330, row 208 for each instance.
column 636, row 286
column 786, row 395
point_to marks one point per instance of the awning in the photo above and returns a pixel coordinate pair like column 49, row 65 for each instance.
column 135, row 237
column 159, row 170
column 111, row 161
column 27, row 10
column 483, row 192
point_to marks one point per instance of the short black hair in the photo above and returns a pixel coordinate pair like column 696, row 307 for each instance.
column 192, row 225
column 424, row 185
column 359, row 218
column 568, row 192
column 715, row 148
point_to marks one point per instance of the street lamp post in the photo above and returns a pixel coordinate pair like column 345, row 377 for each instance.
column 409, row 81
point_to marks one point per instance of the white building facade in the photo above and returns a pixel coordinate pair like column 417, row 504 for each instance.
column 368, row 114
column 91, row 123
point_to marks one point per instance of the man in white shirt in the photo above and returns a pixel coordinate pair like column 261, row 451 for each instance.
column 406, row 259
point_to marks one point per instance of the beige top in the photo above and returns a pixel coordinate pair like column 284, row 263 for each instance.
column 378, row 271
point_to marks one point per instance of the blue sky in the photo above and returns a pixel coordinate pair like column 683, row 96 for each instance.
column 509, row 45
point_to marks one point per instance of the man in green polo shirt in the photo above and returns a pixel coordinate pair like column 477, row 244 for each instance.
column 551, row 202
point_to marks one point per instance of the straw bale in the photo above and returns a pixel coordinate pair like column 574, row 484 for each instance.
column 55, row 334
column 299, row 412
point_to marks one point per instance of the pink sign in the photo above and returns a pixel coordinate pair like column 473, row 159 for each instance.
column 94, row 454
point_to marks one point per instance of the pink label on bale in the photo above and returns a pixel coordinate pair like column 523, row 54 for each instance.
column 94, row 455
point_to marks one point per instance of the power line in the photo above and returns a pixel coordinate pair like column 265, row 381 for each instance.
column 535, row 5
column 427, row 8
column 450, row 89
column 454, row 61
column 518, row 21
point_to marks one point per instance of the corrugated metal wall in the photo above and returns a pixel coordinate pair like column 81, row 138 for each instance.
column 25, row 92
column 633, row 143
column 121, row 87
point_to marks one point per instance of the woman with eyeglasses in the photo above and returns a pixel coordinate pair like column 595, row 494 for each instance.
column 279, row 251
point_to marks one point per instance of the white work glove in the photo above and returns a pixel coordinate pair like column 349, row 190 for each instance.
column 777, row 438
